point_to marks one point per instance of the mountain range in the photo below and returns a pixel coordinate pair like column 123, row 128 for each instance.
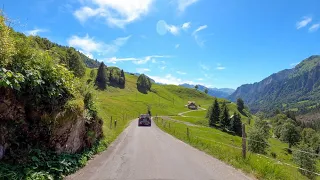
column 221, row 93
column 290, row 89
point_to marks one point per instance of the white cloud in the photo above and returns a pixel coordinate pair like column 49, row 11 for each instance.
column 220, row 68
column 204, row 67
column 142, row 70
column 200, row 28
column 314, row 27
column 186, row 25
column 293, row 64
column 163, row 67
column 199, row 79
column 197, row 38
column 142, row 60
column 117, row 13
column 304, row 22
column 169, row 79
column 181, row 73
column 35, row 31
column 183, row 4
column 88, row 44
column 173, row 29
column 87, row 54
column 177, row 46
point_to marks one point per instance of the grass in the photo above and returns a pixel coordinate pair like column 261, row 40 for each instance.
column 126, row 104
column 228, row 149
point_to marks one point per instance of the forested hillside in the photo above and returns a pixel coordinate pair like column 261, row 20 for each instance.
column 296, row 89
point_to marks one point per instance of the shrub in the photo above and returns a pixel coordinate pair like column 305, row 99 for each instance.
column 257, row 142
column 305, row 160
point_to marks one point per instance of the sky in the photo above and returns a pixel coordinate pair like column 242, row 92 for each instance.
column 216, row 43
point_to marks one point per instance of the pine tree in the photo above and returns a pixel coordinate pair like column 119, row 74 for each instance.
column 215, row 113
column 236, row 124
column 240, row 104
column 225, row 120
column 122, row 79
column 206, row 91
column 101, row 80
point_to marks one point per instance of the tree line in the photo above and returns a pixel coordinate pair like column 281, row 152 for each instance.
column 219, row 117
column 113, row 77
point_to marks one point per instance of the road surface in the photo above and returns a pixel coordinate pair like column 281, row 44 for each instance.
column 150, row 153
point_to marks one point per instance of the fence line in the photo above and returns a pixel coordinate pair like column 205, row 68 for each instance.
column 281, row 163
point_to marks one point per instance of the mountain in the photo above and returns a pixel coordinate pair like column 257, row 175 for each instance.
column 290, row 89
column 221, row 93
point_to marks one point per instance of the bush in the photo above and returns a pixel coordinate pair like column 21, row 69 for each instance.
column 144, row 83
column 257, row 142
column 305, row 160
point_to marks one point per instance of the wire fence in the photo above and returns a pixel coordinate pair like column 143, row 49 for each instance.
column 187, row 134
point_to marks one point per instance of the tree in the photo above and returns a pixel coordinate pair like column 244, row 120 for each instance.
column 257, row 142
column 75, row 63
column 305, row 160
column 289, row 134
column 122, row 79
column 206, row 91
column 144, row 83
column 7, row 49
column 196, row 87
column 240, row 104
column 236, row 124
column 215, row 113
column 311, row 138
column 225, row 120
column 263, row 126
column 101, row 79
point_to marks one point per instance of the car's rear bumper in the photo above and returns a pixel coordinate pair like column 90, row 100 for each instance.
column 144, row 124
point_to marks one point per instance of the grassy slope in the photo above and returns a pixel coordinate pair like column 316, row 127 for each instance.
column 126, row 104
column 216, row 143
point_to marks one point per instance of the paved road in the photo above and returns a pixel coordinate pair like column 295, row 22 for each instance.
column 149, row 153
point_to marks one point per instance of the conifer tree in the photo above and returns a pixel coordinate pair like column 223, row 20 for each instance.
column 101, row 79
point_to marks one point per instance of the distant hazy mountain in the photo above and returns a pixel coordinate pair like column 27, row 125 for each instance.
column 296, row 89
column 138, row 74
column 221, row 93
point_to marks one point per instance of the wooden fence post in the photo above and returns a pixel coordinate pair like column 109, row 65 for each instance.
column 115, row 123
column 188, row 134
column 244, row 141
column 111, row 123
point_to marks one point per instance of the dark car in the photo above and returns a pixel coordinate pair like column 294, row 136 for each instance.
column 144, row 120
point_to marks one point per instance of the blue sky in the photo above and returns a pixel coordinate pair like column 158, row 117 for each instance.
column 217, row 43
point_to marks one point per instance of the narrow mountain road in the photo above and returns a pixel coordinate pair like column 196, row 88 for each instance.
column 150, row 153
column 182, row 114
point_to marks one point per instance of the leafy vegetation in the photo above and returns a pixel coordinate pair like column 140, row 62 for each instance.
column 144, row 83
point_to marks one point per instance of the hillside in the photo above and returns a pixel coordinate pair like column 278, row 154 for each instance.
column 216, row 92
column 163, row 99
column 291, row 89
